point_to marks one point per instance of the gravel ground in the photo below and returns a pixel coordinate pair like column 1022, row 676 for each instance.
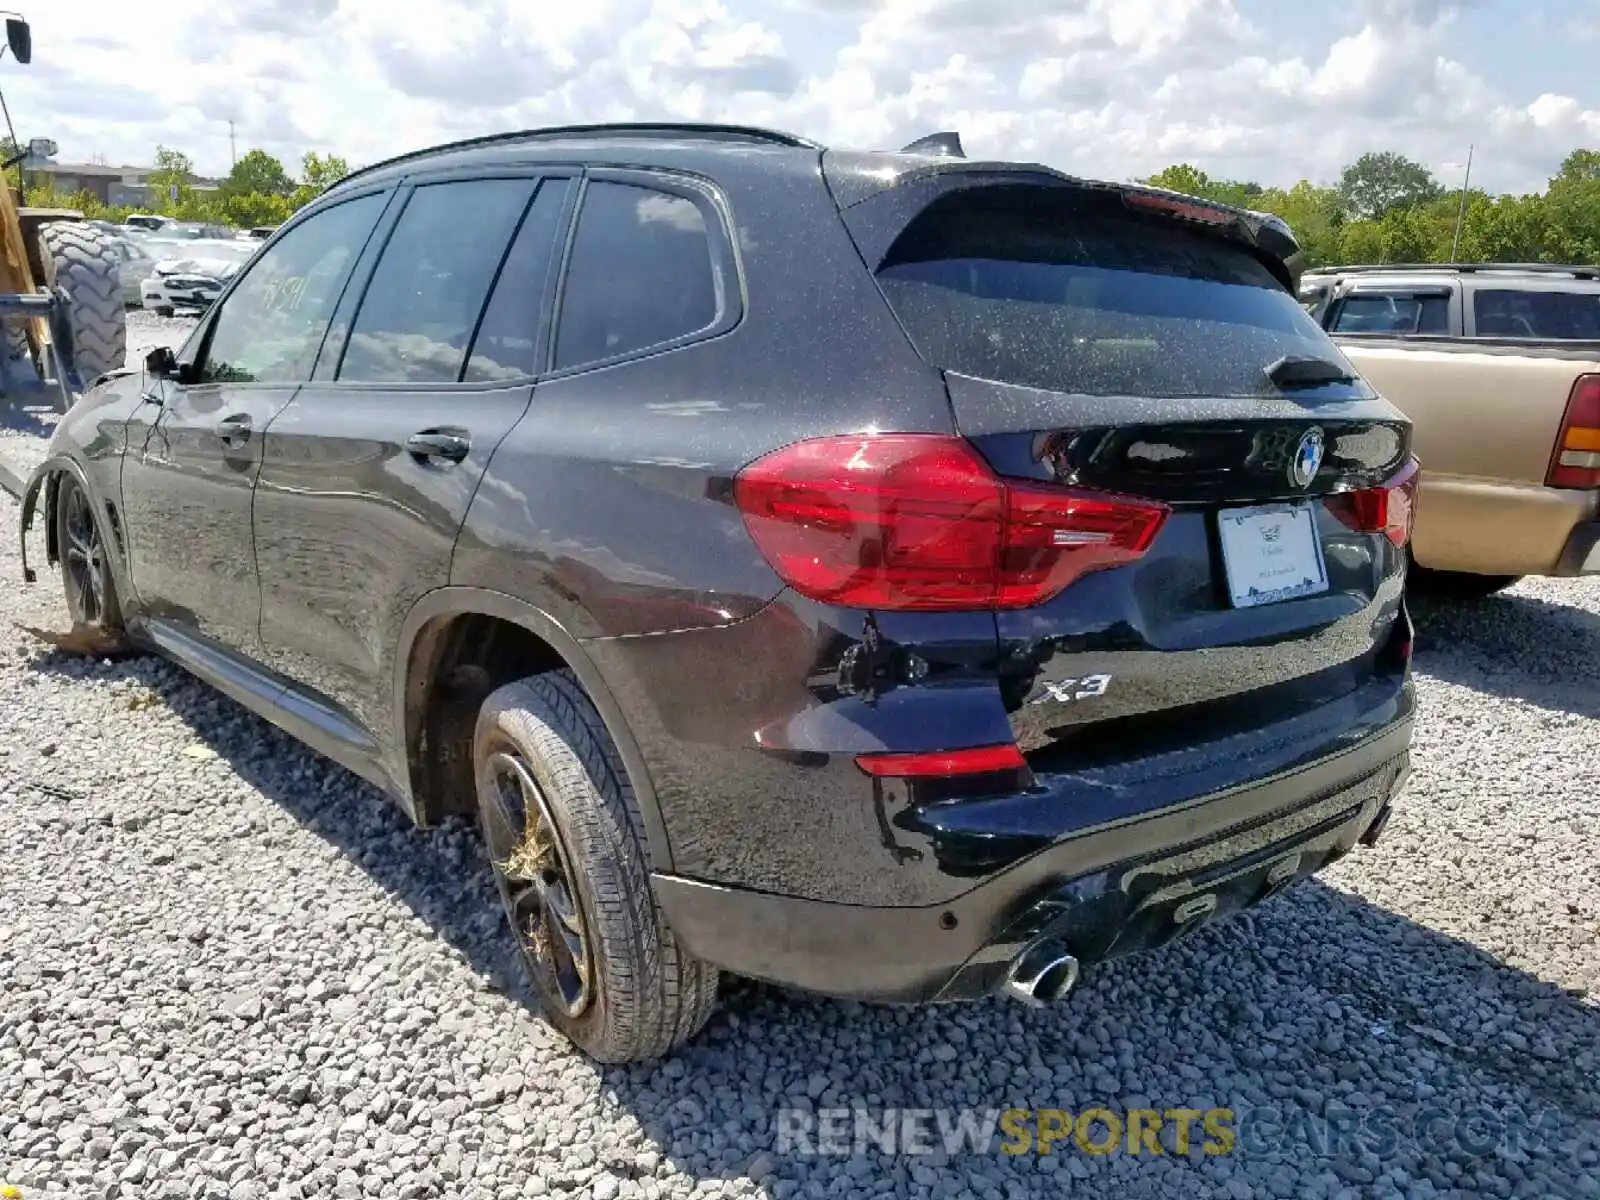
column 228, row 969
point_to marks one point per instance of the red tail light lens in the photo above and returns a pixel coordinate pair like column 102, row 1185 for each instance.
column 1576, row 460
column 920, row 522
column 1389, row 509
column 940, row 763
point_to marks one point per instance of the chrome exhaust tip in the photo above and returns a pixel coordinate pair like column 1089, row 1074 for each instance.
column 1042, row 974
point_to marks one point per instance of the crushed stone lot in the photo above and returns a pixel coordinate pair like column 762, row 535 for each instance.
column 230, row 969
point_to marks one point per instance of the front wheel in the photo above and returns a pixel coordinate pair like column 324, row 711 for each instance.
column 566, row 844
column 85, row 563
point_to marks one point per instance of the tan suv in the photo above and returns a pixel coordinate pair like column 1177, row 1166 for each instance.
column 1498, row 367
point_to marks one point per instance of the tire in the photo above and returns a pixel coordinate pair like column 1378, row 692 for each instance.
column 1458, row 585
column 85, row 558
column 83, row 260
column 639, row 995
column 164, row 311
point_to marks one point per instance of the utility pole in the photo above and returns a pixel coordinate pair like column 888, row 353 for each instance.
column 233, row 149
column 1461, row 213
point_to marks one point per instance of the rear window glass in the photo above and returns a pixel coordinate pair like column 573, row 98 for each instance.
column 1562, row 316
column 1393, row 313
column 996, row 285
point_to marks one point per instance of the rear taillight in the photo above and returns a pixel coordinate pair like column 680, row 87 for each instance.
column 920, row 522
column 1576, row 460
column 1388, row 508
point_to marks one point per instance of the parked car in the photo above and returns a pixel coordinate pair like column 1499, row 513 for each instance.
column 148, row 221
column 134, row 265
column 1498, row 366
column 888, row 575
column 259, row 232
column 193, row 280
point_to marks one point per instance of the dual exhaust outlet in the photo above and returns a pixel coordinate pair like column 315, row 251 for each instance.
column 1042, row 974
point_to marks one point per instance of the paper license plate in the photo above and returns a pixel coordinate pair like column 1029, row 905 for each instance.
column 1271, row 552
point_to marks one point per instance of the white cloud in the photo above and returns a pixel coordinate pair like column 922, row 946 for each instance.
column 1114, row 88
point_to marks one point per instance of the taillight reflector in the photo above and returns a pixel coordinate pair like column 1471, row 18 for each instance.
column 1389, row 509
column 1575, row 462
column 975, row 760
column 920, row 522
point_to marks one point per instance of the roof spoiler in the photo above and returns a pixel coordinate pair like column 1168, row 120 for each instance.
column 947, row 144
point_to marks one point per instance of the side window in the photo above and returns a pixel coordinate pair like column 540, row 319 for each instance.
column 1392, row 312
column 423, row 302
column 270, row 327
column 641, row 273
column 508, row 336
column 1544, row 314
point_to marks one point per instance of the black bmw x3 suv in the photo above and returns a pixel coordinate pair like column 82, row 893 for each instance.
column 890, row 575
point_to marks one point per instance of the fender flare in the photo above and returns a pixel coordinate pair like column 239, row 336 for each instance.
column 457, row 600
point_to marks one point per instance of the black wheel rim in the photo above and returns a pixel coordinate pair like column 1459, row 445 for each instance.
column 84, row 558
column 533, row 872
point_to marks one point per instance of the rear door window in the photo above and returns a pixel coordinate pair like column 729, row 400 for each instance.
column 508, row 337
column 641, row 274
column 423, row 302
column 996, row 283
column 1561, row 316
column 1393, row 312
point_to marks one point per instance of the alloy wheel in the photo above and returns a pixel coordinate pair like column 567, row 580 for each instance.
column 84, row 557
column 537, row 886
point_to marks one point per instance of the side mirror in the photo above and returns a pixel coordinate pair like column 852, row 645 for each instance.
column 20, row 38
column 41, row 148
column 161, row 362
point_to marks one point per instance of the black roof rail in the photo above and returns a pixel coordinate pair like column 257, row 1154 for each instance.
column 1576, row 270
column 622, row 129
column 947, row 143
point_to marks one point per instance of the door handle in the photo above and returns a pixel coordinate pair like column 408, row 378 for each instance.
column 433, row 445
column 235, row 430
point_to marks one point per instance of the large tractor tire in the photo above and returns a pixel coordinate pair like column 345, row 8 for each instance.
column 83, row 260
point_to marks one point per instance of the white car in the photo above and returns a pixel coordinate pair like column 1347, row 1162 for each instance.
column 194, row 276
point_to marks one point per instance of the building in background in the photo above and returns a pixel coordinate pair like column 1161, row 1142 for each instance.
column 118, row 187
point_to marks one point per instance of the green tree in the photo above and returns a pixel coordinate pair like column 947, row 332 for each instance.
column 1572, row 210
column 172, row 182
column 1378, row 182
column 1315, row 214
column 318, row 172
column 257, row 174
column 1181, row 177
column 1580, row 166
column 254, row 208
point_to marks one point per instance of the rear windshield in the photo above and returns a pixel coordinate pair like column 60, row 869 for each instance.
column 993, row 283
column 1563, row 316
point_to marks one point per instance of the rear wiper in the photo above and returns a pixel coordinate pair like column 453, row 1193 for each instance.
column 1296, row 371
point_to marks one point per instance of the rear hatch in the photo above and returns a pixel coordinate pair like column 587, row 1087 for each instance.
column 1128, row 343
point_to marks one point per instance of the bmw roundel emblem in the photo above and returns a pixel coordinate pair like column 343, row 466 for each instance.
column 1307, row 459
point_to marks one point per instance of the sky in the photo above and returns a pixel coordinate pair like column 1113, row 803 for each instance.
column 1270, row 90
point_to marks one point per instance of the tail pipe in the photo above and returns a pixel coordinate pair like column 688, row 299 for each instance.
column 1042, row 974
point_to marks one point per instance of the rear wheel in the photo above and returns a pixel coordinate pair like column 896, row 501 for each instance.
column 83, row 260
column 566, row 844
column 85, row 563
column 1458, row 585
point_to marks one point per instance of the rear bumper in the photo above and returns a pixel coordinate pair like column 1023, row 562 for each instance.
column 1497, row 528
column 1582, row 554
column 1115, row 888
